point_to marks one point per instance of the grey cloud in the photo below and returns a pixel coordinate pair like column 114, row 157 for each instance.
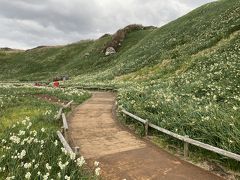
column 28, row 23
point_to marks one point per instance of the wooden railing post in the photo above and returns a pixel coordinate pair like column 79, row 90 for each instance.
column 59, row 113
column 64, row 142
column 186, row 149
column 185, row 139
column 66, row 134
column 65, row 126
column 146, row 127
column 68, row 104
column 76, row 150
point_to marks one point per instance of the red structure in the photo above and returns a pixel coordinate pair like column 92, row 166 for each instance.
column 56, row 84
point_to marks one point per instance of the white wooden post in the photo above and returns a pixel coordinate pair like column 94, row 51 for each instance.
column 146, row 127
column 186, row 149
column 77, row 150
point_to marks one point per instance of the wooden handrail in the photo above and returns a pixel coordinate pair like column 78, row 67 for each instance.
column 65, row 124
column 64, row 142
column 96, row 88
column 186, row 139
column 134, row 116
column 68, row 104
column 59, row 113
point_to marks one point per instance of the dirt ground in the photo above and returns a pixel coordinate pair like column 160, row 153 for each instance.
column 121, row 154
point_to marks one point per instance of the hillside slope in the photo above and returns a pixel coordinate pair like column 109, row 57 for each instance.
column 194, row 32
column 183, row 76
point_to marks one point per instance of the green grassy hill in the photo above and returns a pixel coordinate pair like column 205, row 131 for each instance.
column 184, row 76
column 199, row 30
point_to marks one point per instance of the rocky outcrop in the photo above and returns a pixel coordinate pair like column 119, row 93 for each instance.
column 87, row 54
column 109, row 51
column 120, row 35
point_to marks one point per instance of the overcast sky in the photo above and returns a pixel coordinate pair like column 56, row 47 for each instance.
column 30, row 23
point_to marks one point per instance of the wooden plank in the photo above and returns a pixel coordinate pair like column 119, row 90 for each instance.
column 146, row 127
column 186, row 149
column 96, row 88
column 59, row 113
column 213, row 149
column 68, row 104
column 64, row 142
column 198, row 143
column 165, row 131
column 133, row 116
column 65, row 124
column 187, row 139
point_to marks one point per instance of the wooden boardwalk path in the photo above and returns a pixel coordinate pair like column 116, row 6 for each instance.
column 121, row 154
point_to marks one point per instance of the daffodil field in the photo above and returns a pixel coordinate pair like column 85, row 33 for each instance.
column 29, row 146
column 201, row 97
column 183, row 76
column 203, row 103
column 196, row 95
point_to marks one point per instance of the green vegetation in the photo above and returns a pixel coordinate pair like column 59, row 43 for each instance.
column 28, row 135
column 183, row 76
